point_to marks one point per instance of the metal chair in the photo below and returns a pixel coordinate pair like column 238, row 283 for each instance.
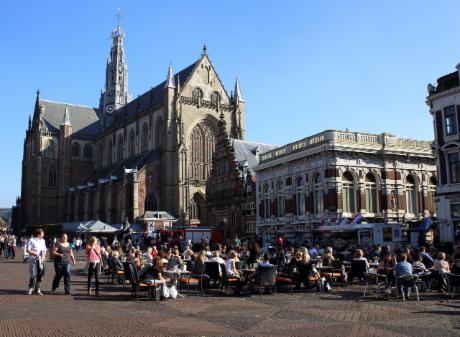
column 453, row 282
column 374, row 280
column 408, row 281
column 266, row 278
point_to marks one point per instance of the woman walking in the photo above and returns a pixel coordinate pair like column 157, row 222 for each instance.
column 93, row 254
column 63, row 257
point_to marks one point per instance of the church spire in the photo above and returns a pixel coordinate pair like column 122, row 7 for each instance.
column 66, row 118
column 115, row 93
column 238, row 96
column 170, row 83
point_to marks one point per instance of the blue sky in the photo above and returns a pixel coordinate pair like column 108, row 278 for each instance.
column 304, row 66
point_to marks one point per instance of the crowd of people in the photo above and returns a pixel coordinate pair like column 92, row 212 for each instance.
column 8, row 246
column 154, row 260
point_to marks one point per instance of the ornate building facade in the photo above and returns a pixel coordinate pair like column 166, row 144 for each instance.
column 444, row 103
column 230, row 191
column 153, row 152
column 334, row 176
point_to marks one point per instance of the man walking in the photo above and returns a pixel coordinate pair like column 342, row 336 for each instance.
column 36, row 248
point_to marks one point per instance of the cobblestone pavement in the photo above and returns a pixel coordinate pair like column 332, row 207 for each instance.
column 114, row 313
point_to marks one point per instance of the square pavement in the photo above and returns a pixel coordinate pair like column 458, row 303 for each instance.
column 114, row 313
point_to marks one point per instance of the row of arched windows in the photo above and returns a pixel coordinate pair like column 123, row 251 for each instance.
column 349, row 195
column 198, row 94
column 131, row 144
column 87, row 151
column 202, row 143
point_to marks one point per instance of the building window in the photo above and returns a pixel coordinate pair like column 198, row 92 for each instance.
column 100, row 157
column 151, row 203
column 159, row 133
column 411, row 195
column 266, row 202
column 215, row 97
column 197, row 93
column 52, row 178
column 370, row 191
column 110, row 153
column 203, row 142
column 431, row 194
column 120, row 149
column 318, row 199
column 50, row 150
column 87, row 151
column 450, row 120
column 300, row 197
column 144, row 137
column 131, row 144
column 454, row 167
column 280, row 200
column 348, row 193
column 76, row 150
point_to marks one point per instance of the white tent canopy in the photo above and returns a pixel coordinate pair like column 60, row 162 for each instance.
column 97, row 226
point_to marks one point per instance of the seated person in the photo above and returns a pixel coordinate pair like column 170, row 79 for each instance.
column 419, row 264
column 427, row 260
column 216, row 257
column 456, row 267
column 117, row 261
column 138, row 259
column 328, row 257
column 152, row 272
column 199, row 265
column 403, row 268
column 441, row 264
column 359, row 256
column 230, row 265
column 304, row 269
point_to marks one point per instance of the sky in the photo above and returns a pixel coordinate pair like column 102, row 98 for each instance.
column 303, row 66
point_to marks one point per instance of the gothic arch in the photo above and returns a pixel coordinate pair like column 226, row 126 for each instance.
column 110, row 153
column 144, row 137
column 159, row 132
column 131, row 144
column 151, row 202
column 198, row 209
column 120, row 148
column 202, row 142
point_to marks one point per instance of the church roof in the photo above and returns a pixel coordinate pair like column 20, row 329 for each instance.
column 249, row 152
column 118, row 170
column 152, row 96
column 84, row 120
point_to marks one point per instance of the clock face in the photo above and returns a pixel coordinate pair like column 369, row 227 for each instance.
column 109, row 108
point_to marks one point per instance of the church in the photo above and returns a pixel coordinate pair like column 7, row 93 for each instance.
column 127, row 156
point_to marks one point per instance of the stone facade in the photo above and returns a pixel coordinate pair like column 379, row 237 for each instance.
column 127, row 156
column 444, row 103
column 230, row 191
column 338, row 175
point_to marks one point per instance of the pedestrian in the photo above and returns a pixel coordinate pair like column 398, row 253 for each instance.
column 63, row 257
column 13, row 246
column 36, row 248
column 78, row 243
column 93, row 254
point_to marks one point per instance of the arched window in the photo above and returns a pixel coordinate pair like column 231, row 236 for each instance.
column 266, row 197
column 76, row 150
column 50, row 150
column 52, row 178
column 411, row 195
column 144, row 137
column 215, row 97
column 197, row 93
column 87, row 151
column 203, row 142
column 318, row 199
column 432, row 182
column 300, row 197
column 110, row 153
column 370, row 191
column 348, row 193
column 131, row 144
column 120, row 149
column 151, row 203
column 159, row 133
column 280, row 199
column 198, row 208
column 100, row 156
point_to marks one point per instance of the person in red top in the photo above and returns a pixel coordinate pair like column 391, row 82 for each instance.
column 280, row 241
column 93, row 254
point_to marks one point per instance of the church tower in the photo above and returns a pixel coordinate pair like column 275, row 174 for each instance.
column 115, row 93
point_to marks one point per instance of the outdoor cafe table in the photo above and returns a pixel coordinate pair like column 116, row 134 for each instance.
column 175, row 274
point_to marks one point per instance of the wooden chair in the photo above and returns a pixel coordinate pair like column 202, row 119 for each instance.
column 138, row 287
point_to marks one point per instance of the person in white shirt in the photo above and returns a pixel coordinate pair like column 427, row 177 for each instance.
column 36, row 248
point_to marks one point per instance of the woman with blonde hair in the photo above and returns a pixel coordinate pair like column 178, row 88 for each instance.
column 93, row 254
column 230, row 264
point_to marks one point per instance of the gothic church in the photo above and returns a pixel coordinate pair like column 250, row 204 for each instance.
column 128, row 156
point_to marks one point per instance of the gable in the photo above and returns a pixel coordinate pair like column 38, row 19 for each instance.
column 205, row 77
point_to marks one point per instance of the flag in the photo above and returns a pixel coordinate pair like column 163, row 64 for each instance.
column 344, row 221
column 427, row 222
column 357, row 219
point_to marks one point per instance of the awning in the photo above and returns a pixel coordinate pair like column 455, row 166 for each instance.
column 74, row 227
column 344, row 228
column 97, row 226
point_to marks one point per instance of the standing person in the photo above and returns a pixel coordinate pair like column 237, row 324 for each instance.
column 13, row 246
column 63, row 256
column 93, row 254
column 36, row 248
column 78, row 244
